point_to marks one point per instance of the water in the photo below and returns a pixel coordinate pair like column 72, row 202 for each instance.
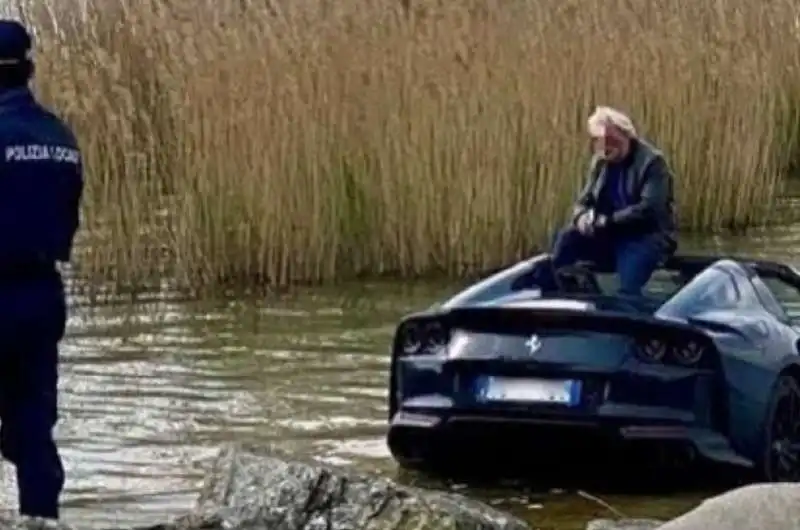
column 151, row 390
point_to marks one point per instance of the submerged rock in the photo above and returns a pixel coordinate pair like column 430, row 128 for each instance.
column 624, row 524
column 251, row 491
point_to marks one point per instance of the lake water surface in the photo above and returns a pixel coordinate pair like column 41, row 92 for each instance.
column 150, row 390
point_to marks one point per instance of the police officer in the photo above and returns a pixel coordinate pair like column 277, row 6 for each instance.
column 41, row 183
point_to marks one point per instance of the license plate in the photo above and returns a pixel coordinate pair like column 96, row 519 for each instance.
column 527, row 390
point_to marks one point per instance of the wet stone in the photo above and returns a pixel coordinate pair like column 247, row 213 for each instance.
column 246, row 490
column 753, row 507
column 10, row 521
column 624, row 524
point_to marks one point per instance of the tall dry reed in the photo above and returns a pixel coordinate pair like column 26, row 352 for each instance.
column 312, row 140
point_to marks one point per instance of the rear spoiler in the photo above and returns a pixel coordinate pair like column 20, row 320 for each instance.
column 523, row 321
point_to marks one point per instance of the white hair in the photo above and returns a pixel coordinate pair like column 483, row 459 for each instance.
column 602, row 117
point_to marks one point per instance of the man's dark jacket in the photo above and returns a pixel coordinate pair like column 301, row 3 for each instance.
column 649, row 187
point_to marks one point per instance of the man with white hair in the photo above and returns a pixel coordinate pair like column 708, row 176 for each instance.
column 623, row 220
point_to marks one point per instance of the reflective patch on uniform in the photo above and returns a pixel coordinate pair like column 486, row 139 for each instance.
column 39, row 152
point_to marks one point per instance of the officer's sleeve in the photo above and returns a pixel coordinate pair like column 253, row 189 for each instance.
column 75, row 197
column 73, row 191
column 654, row 196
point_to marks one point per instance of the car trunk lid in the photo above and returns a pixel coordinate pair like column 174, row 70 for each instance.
column 548, row 354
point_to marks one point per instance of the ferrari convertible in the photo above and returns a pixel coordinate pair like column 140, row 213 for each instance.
column 706, row 363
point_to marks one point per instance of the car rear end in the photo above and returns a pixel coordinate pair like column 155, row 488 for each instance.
column 558, row 380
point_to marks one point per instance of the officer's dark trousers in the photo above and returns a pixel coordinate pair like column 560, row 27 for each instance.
column 634, row 259
column 32, row 321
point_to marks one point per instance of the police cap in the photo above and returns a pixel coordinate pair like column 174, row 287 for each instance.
column 15, row 42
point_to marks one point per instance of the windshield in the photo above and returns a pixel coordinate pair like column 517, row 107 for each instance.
column 714, row 288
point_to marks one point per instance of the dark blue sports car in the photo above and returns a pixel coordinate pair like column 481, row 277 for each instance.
column 706, row 362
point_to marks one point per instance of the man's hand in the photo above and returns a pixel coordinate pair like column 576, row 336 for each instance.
column 601, row 221
column 585, row 223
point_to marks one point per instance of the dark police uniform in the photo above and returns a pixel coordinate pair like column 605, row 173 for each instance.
column 41, row 183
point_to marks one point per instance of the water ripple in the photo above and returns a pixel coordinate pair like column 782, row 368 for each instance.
column 150, row 389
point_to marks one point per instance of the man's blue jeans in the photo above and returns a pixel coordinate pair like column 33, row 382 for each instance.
column 633, row 259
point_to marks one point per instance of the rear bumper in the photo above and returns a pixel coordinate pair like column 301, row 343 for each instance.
column 425, row 438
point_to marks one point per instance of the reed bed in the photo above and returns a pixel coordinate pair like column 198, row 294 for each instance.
column 253, row 142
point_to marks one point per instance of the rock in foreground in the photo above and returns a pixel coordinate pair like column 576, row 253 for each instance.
column 250, row 491
column 624, row 524
column 754, row 507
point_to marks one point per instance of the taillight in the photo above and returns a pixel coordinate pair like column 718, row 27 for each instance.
column 652, row 350
column 683, row 352
column 410, row 342
column 436, row 337
column 423, row 338
column 688, row 354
